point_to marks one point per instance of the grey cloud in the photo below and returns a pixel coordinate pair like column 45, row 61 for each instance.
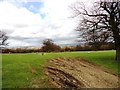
column 30, row 40
column 21, row 26
column 37, row 41
column 8, row 31
column 27, row 39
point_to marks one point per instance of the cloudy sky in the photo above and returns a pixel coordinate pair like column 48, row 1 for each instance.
column 29, row 22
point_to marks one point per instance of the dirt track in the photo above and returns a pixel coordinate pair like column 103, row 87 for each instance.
column 74, row 72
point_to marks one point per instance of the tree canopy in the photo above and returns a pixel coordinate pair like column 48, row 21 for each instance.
column 100, row 24
column 49, row 46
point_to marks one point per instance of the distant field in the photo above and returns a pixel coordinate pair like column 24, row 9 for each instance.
column 26, row 70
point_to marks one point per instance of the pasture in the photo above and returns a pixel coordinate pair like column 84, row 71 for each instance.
column 27, row 70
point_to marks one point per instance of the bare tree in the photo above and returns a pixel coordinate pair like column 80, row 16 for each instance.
column 3, row 39
column 100, row 24
column 47, row 42
column 49, row 46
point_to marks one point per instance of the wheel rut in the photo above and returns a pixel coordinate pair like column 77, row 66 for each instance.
column 79, row 73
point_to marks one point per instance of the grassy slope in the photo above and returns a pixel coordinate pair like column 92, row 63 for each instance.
column 26, row 70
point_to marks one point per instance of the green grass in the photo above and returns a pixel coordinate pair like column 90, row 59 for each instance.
column 17, row 68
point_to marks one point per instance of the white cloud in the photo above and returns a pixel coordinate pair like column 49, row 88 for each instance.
column 58, row 21
column 17, row 16
column 18, row 22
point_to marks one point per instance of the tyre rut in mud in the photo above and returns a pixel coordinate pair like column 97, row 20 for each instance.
column 79, row 73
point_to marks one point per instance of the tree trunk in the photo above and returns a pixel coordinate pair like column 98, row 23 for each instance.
column 118, row 53
column 116, row 36
column 117, row 47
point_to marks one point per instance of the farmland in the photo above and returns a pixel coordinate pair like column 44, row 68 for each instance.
column 27, row 70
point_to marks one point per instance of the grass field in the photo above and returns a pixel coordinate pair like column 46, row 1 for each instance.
column 27, row 70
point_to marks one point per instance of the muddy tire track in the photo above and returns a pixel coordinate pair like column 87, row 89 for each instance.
column 79, row 73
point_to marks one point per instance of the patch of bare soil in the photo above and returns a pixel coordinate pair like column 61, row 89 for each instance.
column 79, row 73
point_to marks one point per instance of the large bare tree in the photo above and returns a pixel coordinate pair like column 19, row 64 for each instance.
column 101, row 23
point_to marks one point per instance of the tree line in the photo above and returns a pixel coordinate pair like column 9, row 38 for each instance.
column 49, row 46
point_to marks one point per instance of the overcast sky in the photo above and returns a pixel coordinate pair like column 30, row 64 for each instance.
column 29, row 22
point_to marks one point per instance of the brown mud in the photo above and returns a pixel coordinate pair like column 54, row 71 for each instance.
column 79, row 73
